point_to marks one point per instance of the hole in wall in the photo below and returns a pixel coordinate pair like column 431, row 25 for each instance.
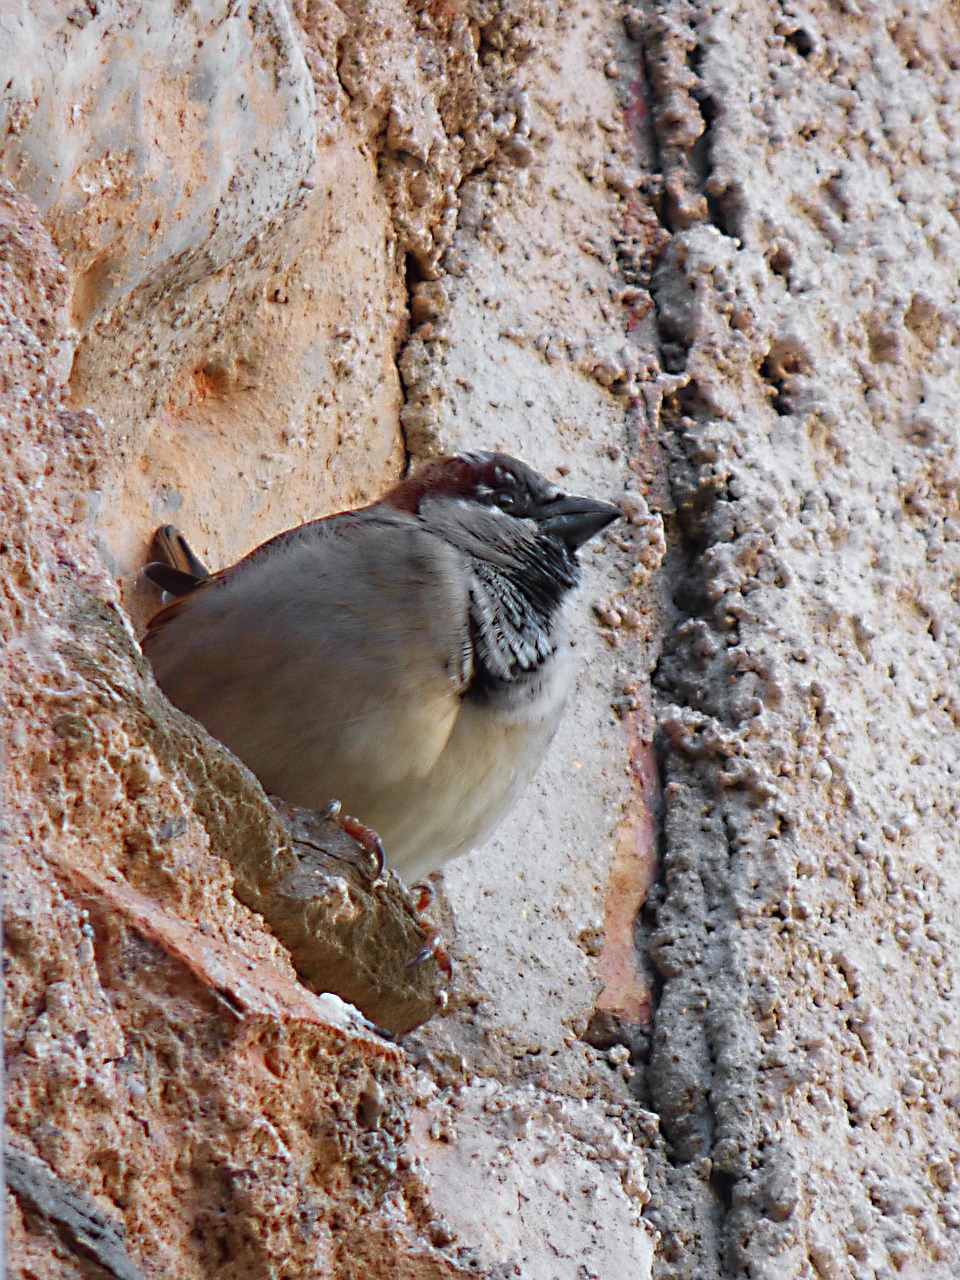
column 801, row 42
column 779, row 369
column 780, row 260
column 777, row 384
column 725, row 206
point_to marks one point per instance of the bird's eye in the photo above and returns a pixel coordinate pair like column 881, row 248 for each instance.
column 506, row 501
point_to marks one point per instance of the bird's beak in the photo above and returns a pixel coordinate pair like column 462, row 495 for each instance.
column 576, row 520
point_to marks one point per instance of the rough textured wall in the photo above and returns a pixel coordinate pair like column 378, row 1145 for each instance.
column 302, row 245
column 177, row 1102
column 805, row 1057
column 299, row 247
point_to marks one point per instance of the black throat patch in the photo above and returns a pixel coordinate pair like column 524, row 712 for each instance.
column 513, row 609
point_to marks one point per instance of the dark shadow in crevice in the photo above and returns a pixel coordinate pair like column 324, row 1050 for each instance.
column 801, row 42
column 780, row 398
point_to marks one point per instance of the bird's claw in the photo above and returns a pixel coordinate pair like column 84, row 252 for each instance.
column 425, row 894
column 372, row 845
column 366, row 838
column 433, row 950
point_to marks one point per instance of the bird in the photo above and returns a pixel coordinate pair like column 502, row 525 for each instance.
column 410, row 658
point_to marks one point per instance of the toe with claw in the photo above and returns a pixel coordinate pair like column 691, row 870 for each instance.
column 423, row 893
column 366, row 838
column 435, row 951
column 434, row 948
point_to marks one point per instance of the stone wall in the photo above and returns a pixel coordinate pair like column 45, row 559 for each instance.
column 261, row 258
column 702, row 260
column 805, row 1056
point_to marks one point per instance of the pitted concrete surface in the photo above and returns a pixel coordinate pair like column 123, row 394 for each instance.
column 805, row 1056
column 700, row 259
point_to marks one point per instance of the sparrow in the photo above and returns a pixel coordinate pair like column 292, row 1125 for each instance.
column 410, row 658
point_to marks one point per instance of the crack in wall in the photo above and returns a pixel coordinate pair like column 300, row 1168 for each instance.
column 703, row 1057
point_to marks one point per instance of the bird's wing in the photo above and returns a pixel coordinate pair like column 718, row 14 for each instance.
column 348, row 642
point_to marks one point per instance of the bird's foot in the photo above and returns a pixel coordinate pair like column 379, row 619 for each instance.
column 435, row 951
column 434, row 948
column 372, row 845
column 366, row 838
column 425, row 894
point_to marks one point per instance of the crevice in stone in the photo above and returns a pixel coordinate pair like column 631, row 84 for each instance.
column 686, row 1208
column 801, row 42
column 689, row 921
column 642, row 32
column 723, row 205
column 776, row 381
column 499, row 58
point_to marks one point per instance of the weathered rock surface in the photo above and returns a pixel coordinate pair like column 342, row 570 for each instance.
column 102, row 97
column 704, row 261
column 806, row 1055
column 164, row 1062
column 179, row 1102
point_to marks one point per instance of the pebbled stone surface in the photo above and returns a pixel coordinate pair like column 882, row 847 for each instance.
column 99, row 98
column 723, row 237
column 805, row 1053
column 169, row 1065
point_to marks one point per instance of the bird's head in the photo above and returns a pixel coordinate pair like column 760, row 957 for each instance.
column 519, row 534
column 501, row 484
